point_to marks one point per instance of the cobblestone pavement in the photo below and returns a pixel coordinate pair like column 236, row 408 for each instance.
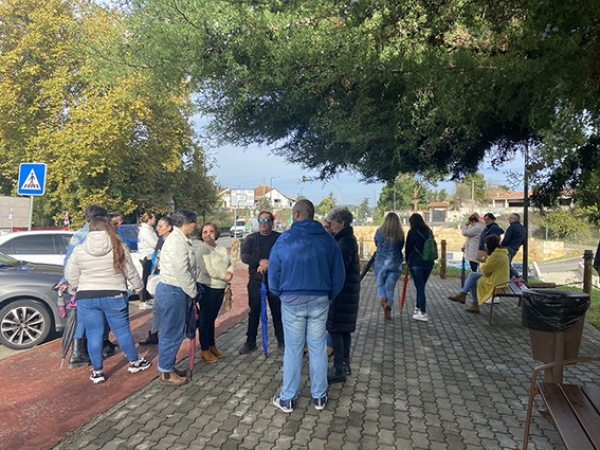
column 453, row 383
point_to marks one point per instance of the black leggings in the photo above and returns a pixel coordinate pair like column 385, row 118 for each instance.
column 474, row 265
column 210, row 303
column 341, row 348
column 146, row 267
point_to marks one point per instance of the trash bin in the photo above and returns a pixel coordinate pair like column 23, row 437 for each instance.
column 555, row 319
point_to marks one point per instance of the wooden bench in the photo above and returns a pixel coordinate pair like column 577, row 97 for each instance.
column 574, row 409
column 505, row 289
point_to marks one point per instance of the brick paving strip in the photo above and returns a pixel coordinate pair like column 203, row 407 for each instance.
column 452, row 383
column 41, row 403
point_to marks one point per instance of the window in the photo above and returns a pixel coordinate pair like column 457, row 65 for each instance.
column 42, row 244
column 61, row 241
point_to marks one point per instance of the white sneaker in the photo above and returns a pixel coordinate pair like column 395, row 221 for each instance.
column 496, row 300
column 421, row 317
column 416, row 311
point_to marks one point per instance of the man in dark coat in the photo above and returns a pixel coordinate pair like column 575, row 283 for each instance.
column 255, row 252
column 343, row 310
column 513, row 239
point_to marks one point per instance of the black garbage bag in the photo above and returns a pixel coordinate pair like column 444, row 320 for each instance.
column 552, row 310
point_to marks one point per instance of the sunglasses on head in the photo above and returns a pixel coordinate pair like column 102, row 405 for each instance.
column 264, row 220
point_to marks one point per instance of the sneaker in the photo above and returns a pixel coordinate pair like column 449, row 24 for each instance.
column 97, row 377
column 287, row 406
column 320, row 403
column 494, row 300
column 247, row 348
column 138, row 366
column 149, row 304
column 421, row 317
column 416, row 311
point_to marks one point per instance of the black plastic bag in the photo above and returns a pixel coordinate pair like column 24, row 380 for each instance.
column 552, row 310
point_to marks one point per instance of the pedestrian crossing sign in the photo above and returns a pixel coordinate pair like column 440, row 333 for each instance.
column 32, row 179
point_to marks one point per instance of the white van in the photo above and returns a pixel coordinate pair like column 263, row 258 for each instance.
column 238, row 229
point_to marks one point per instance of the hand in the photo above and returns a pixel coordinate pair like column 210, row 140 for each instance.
column 228, row 277
column 62, row 287
column 462, row 249
column 263, row 266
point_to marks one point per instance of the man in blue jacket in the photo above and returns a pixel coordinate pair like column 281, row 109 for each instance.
column 513, row 239
column 306, row 270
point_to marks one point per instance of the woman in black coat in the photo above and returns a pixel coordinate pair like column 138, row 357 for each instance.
column 343, row 310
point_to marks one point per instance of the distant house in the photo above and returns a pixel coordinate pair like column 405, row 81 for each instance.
column 224, row 198
column 276, row 199
column 505, row 200
column 437, row 211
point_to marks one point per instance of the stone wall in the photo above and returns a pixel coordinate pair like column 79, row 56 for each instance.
column 538, row 250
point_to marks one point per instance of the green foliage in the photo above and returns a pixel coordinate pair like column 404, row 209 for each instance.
column 326, row 205
column 569, row 224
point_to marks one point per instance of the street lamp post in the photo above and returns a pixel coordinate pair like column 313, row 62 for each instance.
column 271, row 186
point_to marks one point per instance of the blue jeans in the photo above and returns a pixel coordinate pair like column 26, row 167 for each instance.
column 511, row 254
column 174, row 304
column 93, row 313
column 471, row 285
column 420, row 275
column 387, row 276
column 305, row 325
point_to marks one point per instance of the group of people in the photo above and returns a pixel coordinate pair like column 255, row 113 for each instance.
column 489, row 257
column 389, row 243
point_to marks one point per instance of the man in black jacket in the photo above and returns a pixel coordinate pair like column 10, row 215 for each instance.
column 255, row 252
column 513, row 239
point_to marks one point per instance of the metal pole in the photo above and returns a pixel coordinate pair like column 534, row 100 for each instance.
column 30, row 211
column 526, row 213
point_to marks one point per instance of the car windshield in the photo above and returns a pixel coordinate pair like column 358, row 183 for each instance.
column 240, row 223
column 6, row 260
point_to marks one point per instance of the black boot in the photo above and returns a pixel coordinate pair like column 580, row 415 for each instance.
column 347, row 366
column 108, row 349
column 79, row 354
column 336, row 375
column 152, row 339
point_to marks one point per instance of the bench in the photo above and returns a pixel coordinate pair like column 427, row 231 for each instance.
column 574, row 409
column 505, row 289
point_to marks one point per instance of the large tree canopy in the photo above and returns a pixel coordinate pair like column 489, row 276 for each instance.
column 382, row 86
column 105, row 136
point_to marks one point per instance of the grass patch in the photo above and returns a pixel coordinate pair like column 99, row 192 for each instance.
column 593, row 313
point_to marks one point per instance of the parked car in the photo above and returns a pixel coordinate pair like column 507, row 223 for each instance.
column 279, row 226
column 43, row 247
column 129, row 234
column 238, row 229
column 28, row 304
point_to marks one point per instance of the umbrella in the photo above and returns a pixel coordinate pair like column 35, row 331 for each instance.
column 404, row 285
column 263, row 316
column 462, row 271
column 191, row 324
column 367, row 266
column 69, row 330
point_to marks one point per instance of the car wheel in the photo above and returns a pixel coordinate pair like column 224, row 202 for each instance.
column 24, row 324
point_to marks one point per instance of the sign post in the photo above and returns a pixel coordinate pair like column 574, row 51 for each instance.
column 32, row 181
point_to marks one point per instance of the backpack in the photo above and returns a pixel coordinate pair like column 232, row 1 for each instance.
column 430, row 251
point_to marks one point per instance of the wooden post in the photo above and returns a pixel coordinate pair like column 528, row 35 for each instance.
column 588, row 258
column 443, row 260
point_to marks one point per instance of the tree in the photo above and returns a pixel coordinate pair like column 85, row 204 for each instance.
column 326, row 205
column 363, row 208
column 382, row 87
column 105, row 136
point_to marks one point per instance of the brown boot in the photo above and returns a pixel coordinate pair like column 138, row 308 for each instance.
column 216, row 352
column 474, row 308
column 387, row 313
column 461, row 297
column 206, row 355
column 383, row 302
column 179, row 372
column 329, row 352
column 172, row 379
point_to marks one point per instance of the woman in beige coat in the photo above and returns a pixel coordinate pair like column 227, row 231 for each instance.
column 471, row 230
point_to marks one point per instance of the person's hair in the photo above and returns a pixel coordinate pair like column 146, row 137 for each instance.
column 490, row 216
column 94, row 211
column 112, row 215
column 305, row 208
column 146, row 217
column 215, row 227
column 391, row 228
column 118, row 249
column 417, row 223
column 492, row 242
column 271, row 216
column 474, row 218
column 341, row 214
column 168, row 221
column 518, row 216
column 182, row 216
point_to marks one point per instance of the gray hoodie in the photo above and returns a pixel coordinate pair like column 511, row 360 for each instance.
column 90, row 267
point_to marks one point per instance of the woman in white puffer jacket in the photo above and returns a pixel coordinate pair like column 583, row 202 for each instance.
column 99, row 269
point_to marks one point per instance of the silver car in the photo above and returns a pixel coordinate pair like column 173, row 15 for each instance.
column 28, row 304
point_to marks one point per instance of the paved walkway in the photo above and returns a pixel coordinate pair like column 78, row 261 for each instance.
column 452, row 383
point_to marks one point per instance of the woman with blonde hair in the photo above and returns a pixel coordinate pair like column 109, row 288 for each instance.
column 389, row 240
column 99, row 269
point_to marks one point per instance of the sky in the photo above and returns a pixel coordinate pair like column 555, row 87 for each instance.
column 245, row 168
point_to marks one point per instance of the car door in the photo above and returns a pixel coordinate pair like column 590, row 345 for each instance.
column 36, row 248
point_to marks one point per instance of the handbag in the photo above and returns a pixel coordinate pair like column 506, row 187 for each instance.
column 227, row 298
column 152, row 282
